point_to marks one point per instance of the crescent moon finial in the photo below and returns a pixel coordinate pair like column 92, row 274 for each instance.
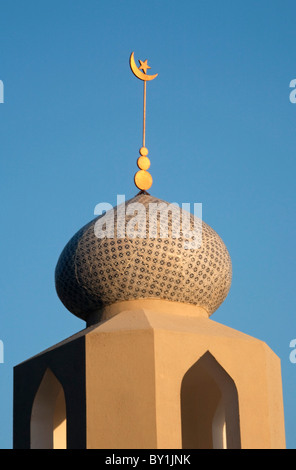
column 143, row 179
column 137, row 70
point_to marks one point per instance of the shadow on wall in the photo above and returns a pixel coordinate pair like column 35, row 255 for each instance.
column 48, row 418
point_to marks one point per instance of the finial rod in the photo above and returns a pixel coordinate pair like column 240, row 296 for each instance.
column 144, row 115
column 143, row 179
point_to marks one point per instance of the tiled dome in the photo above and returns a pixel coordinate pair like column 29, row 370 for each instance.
column 95, row 272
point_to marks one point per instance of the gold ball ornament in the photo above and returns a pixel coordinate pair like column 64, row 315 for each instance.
column 143, row 151
column 143, row 180
column 143, row 163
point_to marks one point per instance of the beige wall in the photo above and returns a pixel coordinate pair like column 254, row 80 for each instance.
column 135, row 363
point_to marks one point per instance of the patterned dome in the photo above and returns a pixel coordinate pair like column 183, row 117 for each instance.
column 93, row 272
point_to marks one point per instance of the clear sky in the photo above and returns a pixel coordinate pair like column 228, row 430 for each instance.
column 220, row 131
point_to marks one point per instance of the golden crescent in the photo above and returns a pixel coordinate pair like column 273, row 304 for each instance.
column 137, row 72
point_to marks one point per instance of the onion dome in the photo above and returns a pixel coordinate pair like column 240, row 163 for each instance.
column 96, row 271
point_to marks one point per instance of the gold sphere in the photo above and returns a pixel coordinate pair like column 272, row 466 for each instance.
column 143, row 180
column 143, row 151
column 143, row 163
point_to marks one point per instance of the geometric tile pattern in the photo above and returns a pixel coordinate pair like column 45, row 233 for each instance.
column 142, row 258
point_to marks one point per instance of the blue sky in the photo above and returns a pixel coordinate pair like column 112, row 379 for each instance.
column 220, row 131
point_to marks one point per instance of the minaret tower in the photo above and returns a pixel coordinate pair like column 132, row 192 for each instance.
column 151, row 370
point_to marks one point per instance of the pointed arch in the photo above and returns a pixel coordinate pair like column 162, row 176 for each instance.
column 209, row 407
column 48, row 416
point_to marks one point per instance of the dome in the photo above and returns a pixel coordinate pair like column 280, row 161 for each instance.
column 94, row 272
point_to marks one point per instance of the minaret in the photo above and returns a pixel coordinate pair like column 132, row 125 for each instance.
column 151, row 370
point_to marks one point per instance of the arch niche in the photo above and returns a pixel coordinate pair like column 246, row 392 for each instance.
column 209, row 407
column 48, row 417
